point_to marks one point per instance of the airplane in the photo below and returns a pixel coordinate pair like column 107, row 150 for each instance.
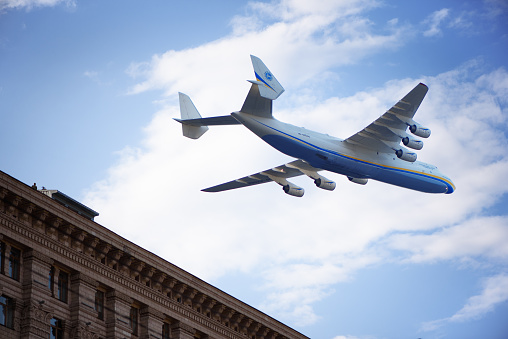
column 374, row 153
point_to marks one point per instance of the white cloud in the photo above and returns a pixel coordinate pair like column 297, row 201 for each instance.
column 29, row 4
column 481, row 236
column 315, row 242
column 434, row 22
column 315, row 40
column 494, row 292
column 300, row 248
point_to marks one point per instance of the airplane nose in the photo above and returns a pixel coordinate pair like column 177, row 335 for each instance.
column 450, row 188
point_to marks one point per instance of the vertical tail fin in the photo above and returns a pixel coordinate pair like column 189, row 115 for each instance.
column 188, row 111
column 269, row 87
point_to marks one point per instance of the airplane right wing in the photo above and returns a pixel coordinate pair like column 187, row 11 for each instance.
column 386, row 133
column 279, row 174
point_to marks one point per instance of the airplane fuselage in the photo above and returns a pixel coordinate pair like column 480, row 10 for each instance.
column 334, row 155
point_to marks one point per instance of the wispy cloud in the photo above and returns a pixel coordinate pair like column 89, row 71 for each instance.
column 29, row 4
column 91, row 74
column 482, row 17
column 96, row 78
column 434, row 22
column 494, row 292
column 495, row 8
column 481, row 236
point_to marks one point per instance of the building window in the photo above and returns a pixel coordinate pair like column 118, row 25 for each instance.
column 56, row 329
column 2, row 254
column 99, row 304
column 166, row 331
column 133, row 320
column 6, row 312
column 63, row 289
column 14, row 263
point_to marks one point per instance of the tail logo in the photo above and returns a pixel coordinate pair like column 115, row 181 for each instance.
column 268, row 76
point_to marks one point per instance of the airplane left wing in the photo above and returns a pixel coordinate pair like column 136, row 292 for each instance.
column 386, row 133
column 279, row 174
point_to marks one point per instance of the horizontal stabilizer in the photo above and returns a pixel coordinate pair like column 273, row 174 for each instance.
column 212, row 121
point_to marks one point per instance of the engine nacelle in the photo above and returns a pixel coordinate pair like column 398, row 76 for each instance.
column 325, row 184
column 419, row 130
column 412, row 143
column 360, row 181
column 293, row 190
column 405, row 155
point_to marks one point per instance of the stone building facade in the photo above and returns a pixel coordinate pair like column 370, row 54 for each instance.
column 62, row 275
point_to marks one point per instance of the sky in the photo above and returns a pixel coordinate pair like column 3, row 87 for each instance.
column 88, row 91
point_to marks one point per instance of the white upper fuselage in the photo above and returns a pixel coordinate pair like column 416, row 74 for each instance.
column 333, row 154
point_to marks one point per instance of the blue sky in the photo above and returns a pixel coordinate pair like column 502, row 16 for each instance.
column 88, row 91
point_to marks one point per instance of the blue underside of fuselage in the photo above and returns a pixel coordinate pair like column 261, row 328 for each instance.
column 346, row 165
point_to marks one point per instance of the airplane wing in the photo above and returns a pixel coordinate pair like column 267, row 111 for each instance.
column 385, row 133
column 278, row 174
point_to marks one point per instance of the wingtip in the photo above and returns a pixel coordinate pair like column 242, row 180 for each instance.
column 254, row 58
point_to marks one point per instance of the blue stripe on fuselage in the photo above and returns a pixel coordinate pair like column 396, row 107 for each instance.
column 336, row 162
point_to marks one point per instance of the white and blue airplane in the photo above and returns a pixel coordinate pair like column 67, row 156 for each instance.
column 373, row 153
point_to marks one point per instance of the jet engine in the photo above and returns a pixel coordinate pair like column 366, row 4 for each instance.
column 412, row 143
column 419, row 130
column 360, row 181
column 293, row 190
column 325, row 184
column 405, row 155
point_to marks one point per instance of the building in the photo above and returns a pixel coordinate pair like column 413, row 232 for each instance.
column 62, row 275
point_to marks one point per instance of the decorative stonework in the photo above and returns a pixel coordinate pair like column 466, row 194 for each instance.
column 82, row 330
column 35, row 318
